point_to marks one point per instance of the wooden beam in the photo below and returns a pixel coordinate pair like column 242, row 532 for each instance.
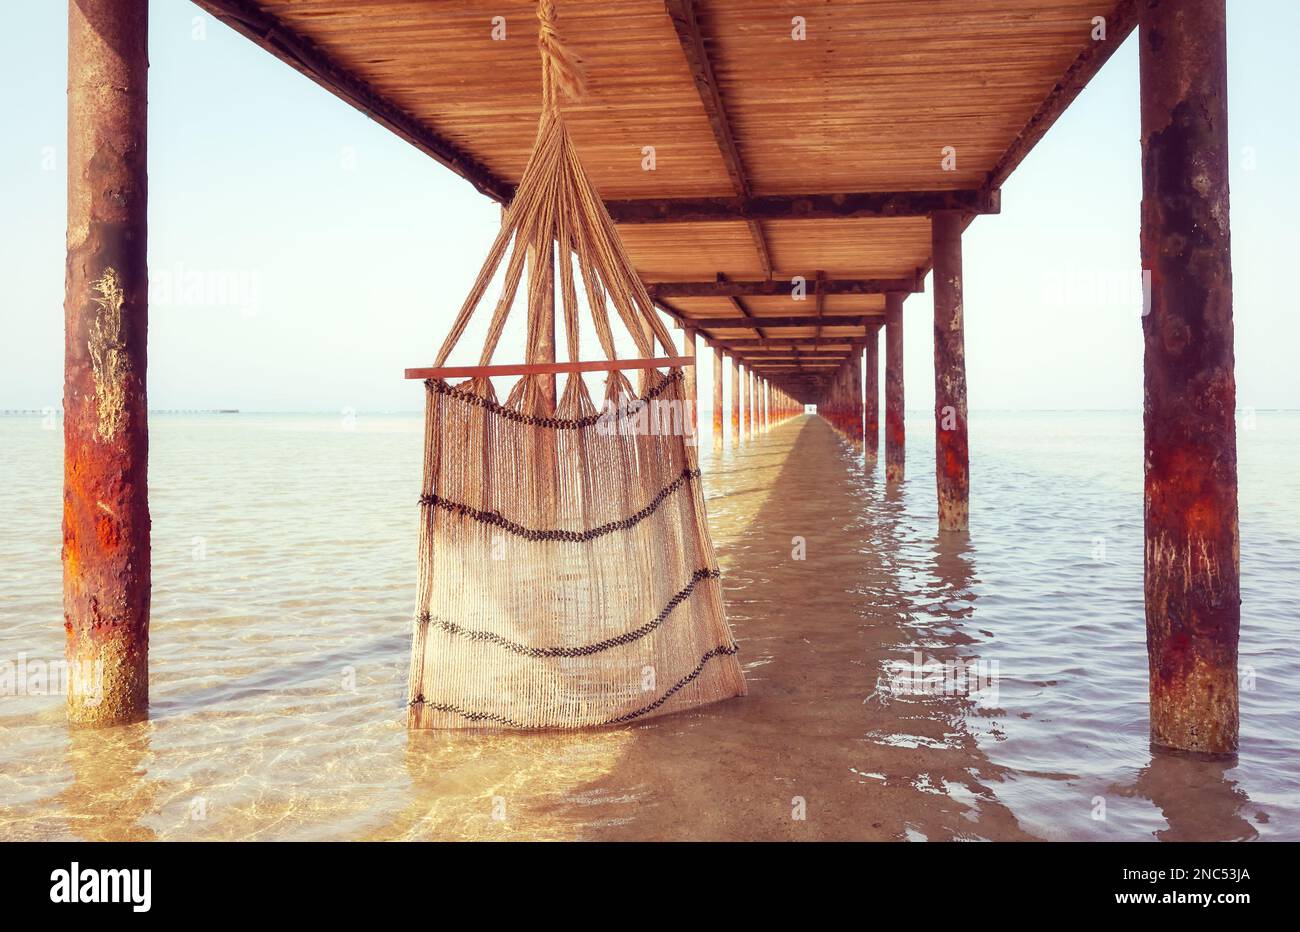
column 812, row 371
column 799, row 343
column 807, row 320
column 1076, row 77
column 722, row 282
column 804, row 206
column 685, row 22
column 306, row 57
column 799, row 354
column 723, row 287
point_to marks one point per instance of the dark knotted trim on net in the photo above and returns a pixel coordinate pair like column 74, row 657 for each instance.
column 722, row 650
column 582, row 650
column 496, row 519
column 441, row 387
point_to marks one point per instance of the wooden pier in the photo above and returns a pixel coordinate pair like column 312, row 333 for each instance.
column 783, row 228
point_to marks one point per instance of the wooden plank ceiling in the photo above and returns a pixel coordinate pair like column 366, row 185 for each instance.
column 775, row 157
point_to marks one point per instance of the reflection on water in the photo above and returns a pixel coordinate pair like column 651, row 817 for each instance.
column 284, row 582
column 1198, row 798
column 111, row 795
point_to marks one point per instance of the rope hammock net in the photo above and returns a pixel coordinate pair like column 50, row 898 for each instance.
column 566, row 574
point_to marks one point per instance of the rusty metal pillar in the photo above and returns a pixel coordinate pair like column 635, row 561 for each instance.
column 735, row 401
column 691, row 384
column 751, row 398
column 952, row 457
column 106, row 560
column 871, row 419
column 895, row 436
column 746, row 406
column 1193, row 594
column 717, row 398
column 837, row 400
column 855, row 385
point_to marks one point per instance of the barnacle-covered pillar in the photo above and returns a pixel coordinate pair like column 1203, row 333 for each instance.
column 1193, row 595
column 952, row 459
column 106, row 583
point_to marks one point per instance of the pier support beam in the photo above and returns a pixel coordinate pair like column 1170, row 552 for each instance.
column 735, row 402
column 855, row 402
column 717, row 398
column 747, row 405
column 752, row 400
column 106, row 559
column 690, row 375
column 1193, row 595
column 895, row 438
column 871, row 398
column 952, row 457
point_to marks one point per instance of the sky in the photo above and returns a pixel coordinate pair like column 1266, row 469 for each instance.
column 330, row 255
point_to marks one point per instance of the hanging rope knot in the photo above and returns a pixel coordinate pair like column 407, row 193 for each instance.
column 562, row 68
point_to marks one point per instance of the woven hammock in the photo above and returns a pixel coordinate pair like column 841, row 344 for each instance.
column 567, row 578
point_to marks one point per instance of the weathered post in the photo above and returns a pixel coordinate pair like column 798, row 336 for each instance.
column 735, row 402
column 952, row 457
column 106, row 559
column 871, row 426
column 895, row 437
column 746, row 407
column 1193, row 595
column 855, row 402
column 751, row 400
column 691, row 384
column 845, row 389
column 717, row 397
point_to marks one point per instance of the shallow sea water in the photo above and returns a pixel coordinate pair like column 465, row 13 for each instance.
column 284, row 572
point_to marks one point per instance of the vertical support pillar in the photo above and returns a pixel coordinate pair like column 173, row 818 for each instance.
column 855, row 402
column 895, row 437
column 837, row 399
column 952, row 456
column 717, row 397
column 871, row 397
column 691, row 386
column 735, row 402
column 751, row 402
column 106, row 556
column 1193, row 593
